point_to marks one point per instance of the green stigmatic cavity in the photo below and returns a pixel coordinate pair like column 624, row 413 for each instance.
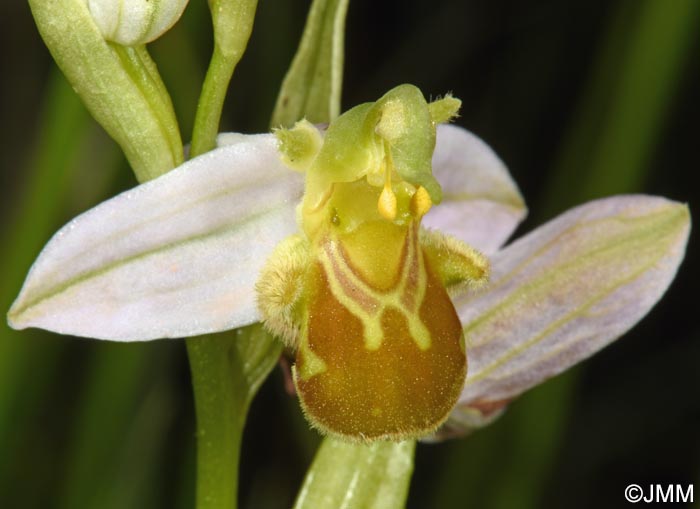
column 389, row 143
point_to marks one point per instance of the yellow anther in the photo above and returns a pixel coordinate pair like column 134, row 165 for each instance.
column 420, row 203
column 387, row 203
column 387, row 199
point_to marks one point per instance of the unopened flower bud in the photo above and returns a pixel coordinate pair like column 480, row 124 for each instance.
column 134, row 22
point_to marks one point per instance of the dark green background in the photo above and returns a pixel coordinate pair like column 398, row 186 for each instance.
column 580, row 98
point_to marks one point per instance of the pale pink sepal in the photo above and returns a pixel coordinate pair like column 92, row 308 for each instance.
column 481, row 203
column 566, row 290
column 178, row 256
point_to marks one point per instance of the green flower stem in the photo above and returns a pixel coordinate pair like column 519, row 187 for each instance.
column 227, row 370
column 349, row 475
column 120, row 88
column 233, row 24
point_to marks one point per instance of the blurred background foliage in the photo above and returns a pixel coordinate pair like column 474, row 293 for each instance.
column 581, row 99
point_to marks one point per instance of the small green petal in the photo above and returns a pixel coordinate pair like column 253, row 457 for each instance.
column 299, row 145
column 445, row 109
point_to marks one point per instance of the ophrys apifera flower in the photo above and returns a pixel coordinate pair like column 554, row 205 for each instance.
column 363, row 294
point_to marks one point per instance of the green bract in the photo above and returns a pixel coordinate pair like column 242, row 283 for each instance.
column 119, row 85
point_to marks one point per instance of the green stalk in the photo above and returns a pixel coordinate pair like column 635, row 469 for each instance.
column 227, row 370
column 233, row 24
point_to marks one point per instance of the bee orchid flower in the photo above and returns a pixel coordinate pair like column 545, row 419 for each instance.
column 373, row 249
